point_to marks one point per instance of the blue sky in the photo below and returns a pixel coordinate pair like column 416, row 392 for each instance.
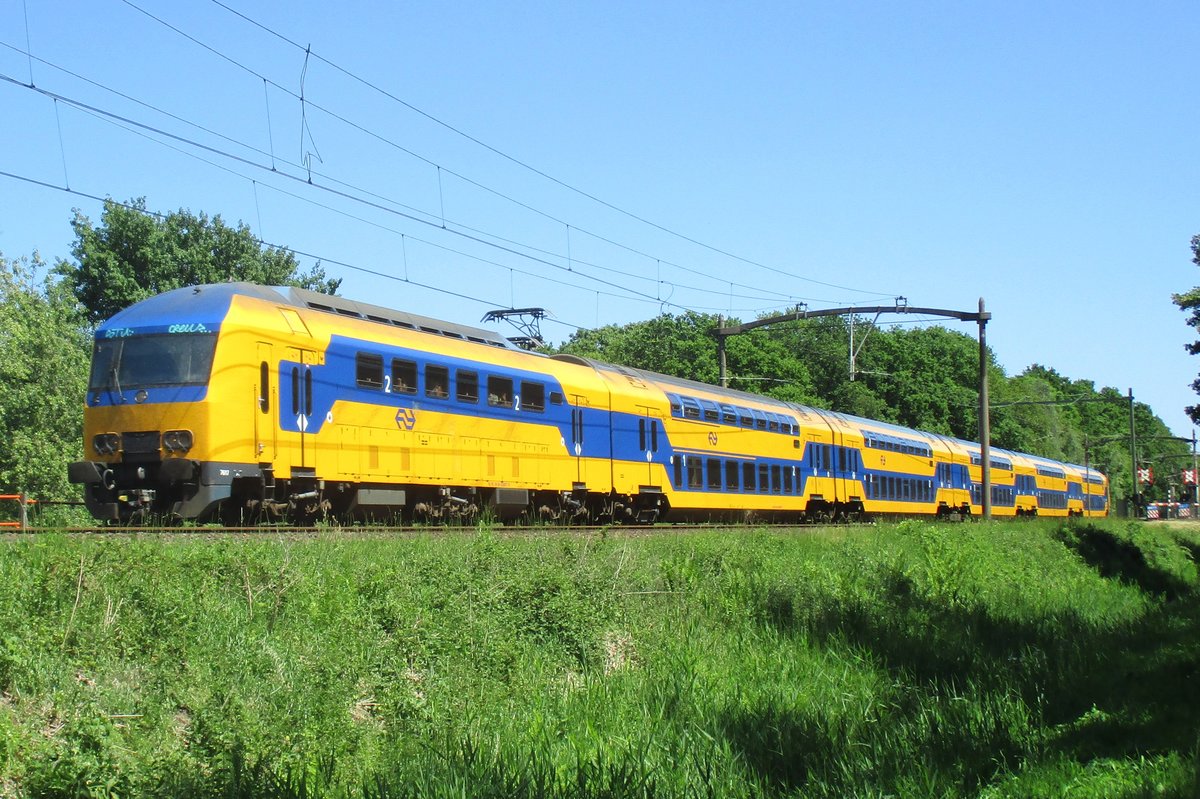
column 749, row 156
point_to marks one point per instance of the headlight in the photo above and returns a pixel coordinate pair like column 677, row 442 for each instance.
column 177, row 440
column 106, row 443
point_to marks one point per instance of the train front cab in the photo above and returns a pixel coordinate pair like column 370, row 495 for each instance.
column 156, row 432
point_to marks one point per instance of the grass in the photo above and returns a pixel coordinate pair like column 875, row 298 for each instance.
column 917, row 660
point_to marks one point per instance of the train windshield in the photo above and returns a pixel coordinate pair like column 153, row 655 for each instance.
column 156, row 360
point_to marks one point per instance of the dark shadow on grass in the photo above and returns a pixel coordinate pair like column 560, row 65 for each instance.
column 1116, row 558
column 1143, row 680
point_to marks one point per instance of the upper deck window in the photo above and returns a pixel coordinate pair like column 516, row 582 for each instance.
column 175, row 359
column 368, row 370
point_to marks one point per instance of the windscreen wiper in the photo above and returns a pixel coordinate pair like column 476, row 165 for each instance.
column 116, row 380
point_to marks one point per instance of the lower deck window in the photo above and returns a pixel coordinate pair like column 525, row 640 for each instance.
column 731, row 475
column 714, row 474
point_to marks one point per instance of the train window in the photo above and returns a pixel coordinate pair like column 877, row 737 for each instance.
column 404, row 376
column 744, row 418
column 533, row 396
column 556, row 398
column 760, row 420
column 691, row 408
column 731, row 475
column 788, row 473
column 264, row 387
column 711, row 414
column 676, row 406
column 776, row 479
column 308, row 394
column 642, row 434
column 677, row 462
column 500, row 391
column 437, row 381
column 714, row 474
column 773, row 423
column 695, row 472
column 748, row 476
column 295, row 391
column 764, row 478
column 466, row 385
column 728, row 414
column 654, row 436
column 368, row 370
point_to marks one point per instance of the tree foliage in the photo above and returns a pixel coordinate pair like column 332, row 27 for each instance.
column 45, row 348
column 133, row 254
column 1190, row 302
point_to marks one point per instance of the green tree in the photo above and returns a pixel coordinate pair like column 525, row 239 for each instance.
column 682, row 346
column 1190, row 301
column 133, row 254
column 45, row 348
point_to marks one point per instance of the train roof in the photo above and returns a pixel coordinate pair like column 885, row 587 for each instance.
column 341, row 306
column 679, row 383
column 208, row 304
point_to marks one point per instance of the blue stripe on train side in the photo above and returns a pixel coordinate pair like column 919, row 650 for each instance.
column 336, row 380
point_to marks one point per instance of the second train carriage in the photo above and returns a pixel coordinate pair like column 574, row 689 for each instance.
column 243, row 402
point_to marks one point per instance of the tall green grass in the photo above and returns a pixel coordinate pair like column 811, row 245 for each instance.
column 991, row 660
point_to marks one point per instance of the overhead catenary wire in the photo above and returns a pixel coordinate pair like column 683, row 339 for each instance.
column 307, row 102
column 273, row 168
column 310, row 173
column 345, row 195
column 527, row 166
column 282, row 248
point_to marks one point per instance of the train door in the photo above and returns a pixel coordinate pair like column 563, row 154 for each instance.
column 578, row 402
column 591, row 443
column 301, row 384
column 649, row 433
column 266, row 396
column 848, row 466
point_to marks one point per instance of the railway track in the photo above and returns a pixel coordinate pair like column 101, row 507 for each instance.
column 385, row 531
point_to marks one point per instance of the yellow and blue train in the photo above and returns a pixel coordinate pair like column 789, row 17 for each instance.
column 241, row 403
